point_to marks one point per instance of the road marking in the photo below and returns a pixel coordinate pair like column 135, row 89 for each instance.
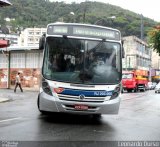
column 10, row 119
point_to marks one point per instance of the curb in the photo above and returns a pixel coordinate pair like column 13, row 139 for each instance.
column 4, row 100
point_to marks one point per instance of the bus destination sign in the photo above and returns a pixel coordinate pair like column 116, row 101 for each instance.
column 83, row 31
column 96, row 32
column 60, row 29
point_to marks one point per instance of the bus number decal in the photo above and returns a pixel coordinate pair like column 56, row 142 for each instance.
column 103, row 93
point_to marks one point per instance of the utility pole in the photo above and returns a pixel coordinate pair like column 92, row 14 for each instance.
column 150, row 66
column 84, row 13
column 9, row 69
column 129, row 62
column 73, row 16
column 142, row 28
column 85, row 10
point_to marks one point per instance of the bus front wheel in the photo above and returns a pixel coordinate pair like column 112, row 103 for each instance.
column 96, row 116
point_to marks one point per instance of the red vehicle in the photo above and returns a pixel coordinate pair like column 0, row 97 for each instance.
column 134, row 80
column 4, row 43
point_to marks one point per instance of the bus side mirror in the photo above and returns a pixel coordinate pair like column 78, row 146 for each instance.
column 123, row 52
column 42, row 42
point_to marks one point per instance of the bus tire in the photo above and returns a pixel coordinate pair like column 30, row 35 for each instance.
column 96, row 116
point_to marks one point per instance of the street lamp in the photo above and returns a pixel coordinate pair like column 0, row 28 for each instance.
column 61, row 19
column 104, row 19
column 112, row 17
column 73, row 14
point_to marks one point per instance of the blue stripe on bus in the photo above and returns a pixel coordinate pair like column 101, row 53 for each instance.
column 89, row 93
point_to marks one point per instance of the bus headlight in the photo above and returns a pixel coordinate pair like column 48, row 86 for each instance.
column 58, row 90
column 46, row 87
column 116, row 92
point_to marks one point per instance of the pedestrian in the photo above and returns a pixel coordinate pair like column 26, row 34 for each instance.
column 18, row 82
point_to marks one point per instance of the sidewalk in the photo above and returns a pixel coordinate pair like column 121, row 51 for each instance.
column 9, row 95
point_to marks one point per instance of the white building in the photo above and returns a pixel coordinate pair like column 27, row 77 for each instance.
column 137, row 54
column 30, row 36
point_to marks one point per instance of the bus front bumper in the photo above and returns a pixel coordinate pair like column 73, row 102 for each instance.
column 54, row 104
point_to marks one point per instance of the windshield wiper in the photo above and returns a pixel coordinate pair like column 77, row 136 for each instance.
column 98, row 45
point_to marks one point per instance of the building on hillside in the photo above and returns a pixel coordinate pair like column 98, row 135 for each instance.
column 30, row 36
column 137, row 54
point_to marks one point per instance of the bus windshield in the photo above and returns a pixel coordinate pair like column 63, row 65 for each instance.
column 82, row 61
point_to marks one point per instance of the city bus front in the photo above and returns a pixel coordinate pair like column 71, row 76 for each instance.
column 80, row 75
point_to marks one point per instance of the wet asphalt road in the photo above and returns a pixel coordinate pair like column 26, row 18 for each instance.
column 138, row 119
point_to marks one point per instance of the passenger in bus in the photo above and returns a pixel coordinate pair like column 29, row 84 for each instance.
column 52, row 64
column 61, row 63
column 69, row 66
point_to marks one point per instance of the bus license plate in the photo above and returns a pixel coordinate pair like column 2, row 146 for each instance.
column 81, row 107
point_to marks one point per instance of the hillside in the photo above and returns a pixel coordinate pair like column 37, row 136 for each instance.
column 38, row 13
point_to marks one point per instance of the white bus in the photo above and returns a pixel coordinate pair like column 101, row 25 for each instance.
column 82, row 69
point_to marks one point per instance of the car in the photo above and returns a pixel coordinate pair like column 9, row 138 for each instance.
column 157, row 88
column 146, row 86
column 150, row 86
column 154, row 85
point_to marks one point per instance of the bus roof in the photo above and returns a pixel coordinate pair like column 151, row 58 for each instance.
column 4, row 3
column 82, row 24
column 83, row 30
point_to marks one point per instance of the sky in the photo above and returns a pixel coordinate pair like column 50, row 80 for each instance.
column 148, row 8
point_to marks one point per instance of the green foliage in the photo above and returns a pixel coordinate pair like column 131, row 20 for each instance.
column 38, row 13
column 154, row 38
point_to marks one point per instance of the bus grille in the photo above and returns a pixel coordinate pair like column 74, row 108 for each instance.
column 77, row 98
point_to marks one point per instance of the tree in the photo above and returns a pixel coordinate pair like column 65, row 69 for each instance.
column 154, row 38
